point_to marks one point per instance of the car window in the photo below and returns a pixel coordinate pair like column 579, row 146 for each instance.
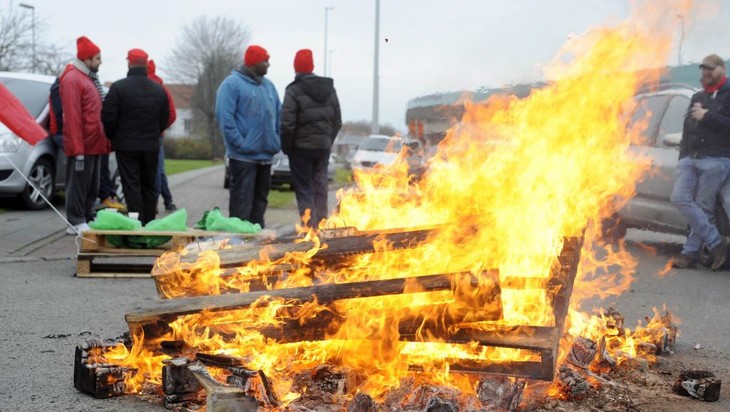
column 380, row 145
column 646, row 117
column 33, row 95
column 673, row 119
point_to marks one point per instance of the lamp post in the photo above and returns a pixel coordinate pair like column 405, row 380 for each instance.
column 326, row 12
column 32, row 10
column 681, row 40
column 375, row 126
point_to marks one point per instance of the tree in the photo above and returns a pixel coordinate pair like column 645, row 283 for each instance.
column 16, row 29
column 363, row 128
column 208, row 50
column 16, row 45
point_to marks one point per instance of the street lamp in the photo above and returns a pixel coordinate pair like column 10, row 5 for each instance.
column 375, row 126
column 326, row 11
column 681, row 40
column 32, row 9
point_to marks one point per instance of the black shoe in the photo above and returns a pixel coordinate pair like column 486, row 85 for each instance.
column 682, row 261
column 171, row 207
column 719, row 254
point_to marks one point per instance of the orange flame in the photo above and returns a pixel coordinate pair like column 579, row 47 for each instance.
column 507, row 185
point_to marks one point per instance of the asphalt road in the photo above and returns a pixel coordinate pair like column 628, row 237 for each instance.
column 45, row 313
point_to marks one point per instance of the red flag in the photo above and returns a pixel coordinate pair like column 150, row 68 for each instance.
column 16, row 117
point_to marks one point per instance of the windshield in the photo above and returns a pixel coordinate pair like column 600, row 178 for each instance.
column 33, row 95
column 380, row 145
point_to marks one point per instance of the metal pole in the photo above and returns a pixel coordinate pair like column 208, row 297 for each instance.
column 375, row 127
column 681, row 40
column 326, row 10
column 32, row 28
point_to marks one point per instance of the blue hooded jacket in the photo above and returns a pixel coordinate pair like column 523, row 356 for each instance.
column 248, row 115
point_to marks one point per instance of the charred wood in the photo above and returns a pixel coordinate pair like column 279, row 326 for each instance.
column 701, row 385
column 96, row 377
column 582, row 352
column 177, row 378
column 500, row 394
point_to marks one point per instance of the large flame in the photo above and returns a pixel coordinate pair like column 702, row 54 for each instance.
column 508, row 183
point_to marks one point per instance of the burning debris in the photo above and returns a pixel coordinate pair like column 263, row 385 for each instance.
column 456, row 292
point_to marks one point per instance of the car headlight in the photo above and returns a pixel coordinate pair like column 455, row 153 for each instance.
column 9, row 143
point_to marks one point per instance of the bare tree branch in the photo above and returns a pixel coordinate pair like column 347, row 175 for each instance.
column 208, row 50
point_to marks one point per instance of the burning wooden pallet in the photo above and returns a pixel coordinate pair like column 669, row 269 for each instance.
column 541, row 342
column 129, row 262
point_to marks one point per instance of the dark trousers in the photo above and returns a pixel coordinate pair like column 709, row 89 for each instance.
column 82, row 188
column 249, row 190
column 309, row 175
column 163, row 188
column 106, row 186
column 138, row 171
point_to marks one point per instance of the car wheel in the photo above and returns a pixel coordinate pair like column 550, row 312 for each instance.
column 118, row 189
column 43, row 177
column 613, row 229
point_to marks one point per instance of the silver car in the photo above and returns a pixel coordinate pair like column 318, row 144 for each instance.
column 40, row 162
column 651, row 208
column 43, row 164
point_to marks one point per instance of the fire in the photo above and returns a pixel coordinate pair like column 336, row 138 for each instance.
column 507, row 185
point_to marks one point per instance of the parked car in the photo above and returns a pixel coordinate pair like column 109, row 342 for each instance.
column 381, row 150
column 280, row 171
column 344, row 148
column 44, row 164
column 651, row 208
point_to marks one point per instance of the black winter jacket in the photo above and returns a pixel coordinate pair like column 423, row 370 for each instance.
column 135, row 113
column 711, row 136
column 310, row 115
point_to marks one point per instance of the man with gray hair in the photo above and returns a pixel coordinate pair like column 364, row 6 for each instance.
column 704, row 165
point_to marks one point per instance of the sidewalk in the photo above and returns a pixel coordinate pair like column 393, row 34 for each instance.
column 40, row 235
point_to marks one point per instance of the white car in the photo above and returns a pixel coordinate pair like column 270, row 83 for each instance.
column 382, row 150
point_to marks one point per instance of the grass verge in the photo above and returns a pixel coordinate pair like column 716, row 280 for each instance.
column 174, row 166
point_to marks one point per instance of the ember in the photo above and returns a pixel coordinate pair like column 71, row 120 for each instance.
column 450, row 293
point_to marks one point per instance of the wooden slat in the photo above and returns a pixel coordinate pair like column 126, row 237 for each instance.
column 171, row 309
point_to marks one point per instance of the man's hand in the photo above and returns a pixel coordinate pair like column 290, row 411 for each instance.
column 698, row 112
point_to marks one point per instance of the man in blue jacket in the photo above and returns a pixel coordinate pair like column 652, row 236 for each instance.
column 248, row 111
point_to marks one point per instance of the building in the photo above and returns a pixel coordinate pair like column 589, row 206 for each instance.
column 182, row 95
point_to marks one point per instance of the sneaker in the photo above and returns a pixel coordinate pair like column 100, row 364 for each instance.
column 682, row 261
column 77, row 229
column 113, row 203
column 719, row 254
column 171, row 207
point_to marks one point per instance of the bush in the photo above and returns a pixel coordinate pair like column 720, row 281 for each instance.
column 187, row 148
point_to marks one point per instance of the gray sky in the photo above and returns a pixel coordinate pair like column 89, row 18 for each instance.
column 433, row 45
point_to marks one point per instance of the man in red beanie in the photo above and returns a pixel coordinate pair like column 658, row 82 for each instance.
column 248, row 110
column 135, row 113
column 310, row 121
column 163, row 189
column 84, row 140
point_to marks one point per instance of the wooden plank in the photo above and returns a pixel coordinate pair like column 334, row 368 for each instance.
column 336, row 248
column 172, row 309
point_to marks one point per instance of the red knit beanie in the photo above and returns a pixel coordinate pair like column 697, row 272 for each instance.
column 303, row 61
column 255, row 55
column 137, row 56
column 151, row 67
column 85, row 48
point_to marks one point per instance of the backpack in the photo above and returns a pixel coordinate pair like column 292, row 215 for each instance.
column 55, row 125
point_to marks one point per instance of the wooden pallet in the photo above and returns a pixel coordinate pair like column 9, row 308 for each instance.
column 134, row 263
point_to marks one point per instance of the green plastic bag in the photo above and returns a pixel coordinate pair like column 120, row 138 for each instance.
column 214, row 220
column 174, row 222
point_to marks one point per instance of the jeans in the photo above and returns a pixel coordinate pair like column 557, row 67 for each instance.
column 163, row 189
column 249, row 190
column 697, row 185
column 309, row 176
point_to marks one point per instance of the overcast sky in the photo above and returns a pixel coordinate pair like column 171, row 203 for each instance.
column 432, row 45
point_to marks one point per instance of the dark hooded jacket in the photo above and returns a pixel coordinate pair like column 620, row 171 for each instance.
column 310, row 115
column 711, row 136
column 135, row 113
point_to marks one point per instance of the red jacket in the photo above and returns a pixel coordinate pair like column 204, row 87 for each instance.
column 83, row 132
column 151, row 68
column 16, row 117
